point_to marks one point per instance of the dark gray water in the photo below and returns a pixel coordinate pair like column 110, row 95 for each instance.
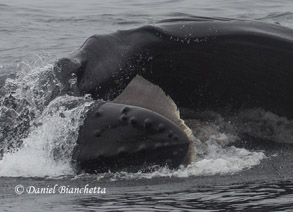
column 251, row 174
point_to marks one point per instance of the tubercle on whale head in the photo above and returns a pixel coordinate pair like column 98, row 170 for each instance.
column 119, row 137
column 73, row 64
column 68, row 71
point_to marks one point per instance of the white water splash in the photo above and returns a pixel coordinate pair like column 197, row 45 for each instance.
column 38, row 136
column 214, row 157
column 47, row 149
column 223, row 161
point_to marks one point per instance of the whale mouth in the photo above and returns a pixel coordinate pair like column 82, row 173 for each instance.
column 111, row 140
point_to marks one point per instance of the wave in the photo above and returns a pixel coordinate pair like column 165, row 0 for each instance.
column 277, row 15
column 283, row 18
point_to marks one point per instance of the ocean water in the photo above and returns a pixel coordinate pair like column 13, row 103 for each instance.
column 244, row 161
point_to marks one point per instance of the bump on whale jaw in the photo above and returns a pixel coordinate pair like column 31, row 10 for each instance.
column 66, row 71
column 119, row 137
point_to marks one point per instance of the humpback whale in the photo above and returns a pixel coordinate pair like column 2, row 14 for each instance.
column 198, row 63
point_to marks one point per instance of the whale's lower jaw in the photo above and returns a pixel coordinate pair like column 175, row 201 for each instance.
column 117, row 137
column 144, row 160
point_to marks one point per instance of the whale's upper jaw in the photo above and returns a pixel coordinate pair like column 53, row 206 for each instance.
column 119, row 137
